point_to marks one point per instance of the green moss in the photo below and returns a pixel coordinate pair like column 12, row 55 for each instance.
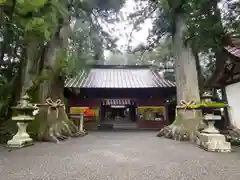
column 61, row 62
column 33, row 92
column 37, row 127
column 65, row 102
column 24, row 7
column 213, row 104
column 46, row 74
column 205, row 104
column 179, row 118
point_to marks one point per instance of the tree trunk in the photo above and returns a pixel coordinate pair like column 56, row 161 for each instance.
column 52, row 123
column 186, row 122
column 201, row 79
column 30, row 66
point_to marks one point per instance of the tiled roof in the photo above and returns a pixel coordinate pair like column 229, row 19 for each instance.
column 132, row 77
column 117, row 102
column 235, row 51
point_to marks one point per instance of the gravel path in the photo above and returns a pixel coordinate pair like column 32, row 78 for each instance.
column 118, row 156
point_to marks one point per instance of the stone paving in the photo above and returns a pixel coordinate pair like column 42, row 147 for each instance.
column 118, row 156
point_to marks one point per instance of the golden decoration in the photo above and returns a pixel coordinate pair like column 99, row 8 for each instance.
column 54, row 105
column 186, row 105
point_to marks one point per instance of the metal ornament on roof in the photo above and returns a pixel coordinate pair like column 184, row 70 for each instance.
column 76, row 91
column 207, row 96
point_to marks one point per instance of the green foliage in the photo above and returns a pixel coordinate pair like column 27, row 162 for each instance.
column 174, row 4
column 231, row 17
column 37, row 22
column 204, row 22
column 207, row 26
column 39, row 19
column 26, row 6
column 62, row 64
column 82, row 47
column 3, row 1
column 38, row 28
column 99, row 5
column 46, row 74
column 5, row 96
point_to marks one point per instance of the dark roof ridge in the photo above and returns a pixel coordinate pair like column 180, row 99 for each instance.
column 121, row 66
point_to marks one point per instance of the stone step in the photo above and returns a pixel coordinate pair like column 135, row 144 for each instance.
column 105, row 126
column 213, row 142
column 124, row 126
column 123, row 122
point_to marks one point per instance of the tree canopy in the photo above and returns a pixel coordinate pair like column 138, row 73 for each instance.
column 42, row 41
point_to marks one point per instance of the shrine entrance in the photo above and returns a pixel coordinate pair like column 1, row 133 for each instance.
column 117, row 113
column 120, row 96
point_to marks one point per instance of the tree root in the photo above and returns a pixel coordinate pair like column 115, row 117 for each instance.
column 62, row 130
column 232, row 135
column 50, row 127
column 174, row 132
column 182, row 129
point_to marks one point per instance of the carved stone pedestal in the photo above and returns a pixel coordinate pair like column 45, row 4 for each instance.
column 210, row 139
column 22, row 138
column 210, row 118
column 214, row 142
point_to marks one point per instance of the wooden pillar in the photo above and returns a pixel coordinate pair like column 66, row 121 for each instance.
column 103, row 110
column 134, row 114
column 136, row 110
column 166, row 113
column 100, row 115
column 81, row 122
column 98, row 118
column 131, row 111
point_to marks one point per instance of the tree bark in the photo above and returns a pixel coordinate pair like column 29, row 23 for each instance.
column 30, row 66
column 52, row 123
column 186, row 122
column 201, row 78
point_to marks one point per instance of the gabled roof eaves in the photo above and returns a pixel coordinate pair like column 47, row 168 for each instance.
column 235, row 51
column 118, row 78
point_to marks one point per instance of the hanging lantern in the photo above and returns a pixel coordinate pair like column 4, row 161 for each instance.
column 76, row 91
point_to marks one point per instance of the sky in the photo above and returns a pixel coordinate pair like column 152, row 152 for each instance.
column 124, row 29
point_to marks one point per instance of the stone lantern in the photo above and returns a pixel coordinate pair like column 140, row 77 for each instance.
column 210, row 138
column 24, row 115
column 207, row 97
column 209, row 116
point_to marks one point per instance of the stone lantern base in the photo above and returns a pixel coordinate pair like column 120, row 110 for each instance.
column 210, row 138
column 21, row 139
column 213, row 142
column 19, row 143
